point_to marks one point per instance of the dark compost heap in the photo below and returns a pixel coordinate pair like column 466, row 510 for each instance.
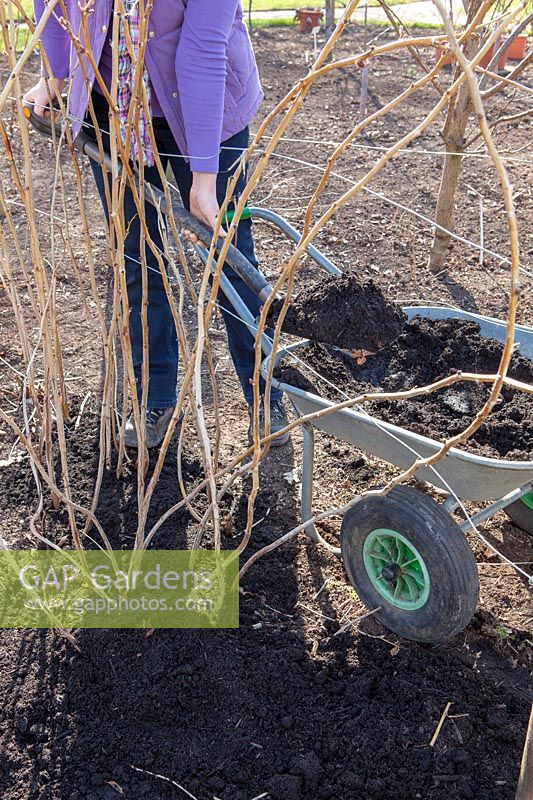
column 425, row 351
column 344, row 311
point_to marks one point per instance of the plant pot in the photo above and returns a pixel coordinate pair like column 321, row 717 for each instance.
column 517, row 49
column 485, row 61
column 439, row 52
column 487, row 58
column 309, row 18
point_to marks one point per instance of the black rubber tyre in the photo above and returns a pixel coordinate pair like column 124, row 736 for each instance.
column 453, row 585
column 521, row 515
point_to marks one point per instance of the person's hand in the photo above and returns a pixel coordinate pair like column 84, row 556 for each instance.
column 203, row 201
column 42, row 95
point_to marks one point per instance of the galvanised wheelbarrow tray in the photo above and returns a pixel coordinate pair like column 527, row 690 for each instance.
column 405, row 553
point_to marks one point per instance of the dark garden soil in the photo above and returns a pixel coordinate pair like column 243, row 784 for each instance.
column 281, row 708
column 344, row 311
column 426, row 351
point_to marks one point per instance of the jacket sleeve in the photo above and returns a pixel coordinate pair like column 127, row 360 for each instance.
column 55, row 40
column 201, row 63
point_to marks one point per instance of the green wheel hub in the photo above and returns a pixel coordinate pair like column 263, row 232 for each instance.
column 396, row 569
column 527, row 500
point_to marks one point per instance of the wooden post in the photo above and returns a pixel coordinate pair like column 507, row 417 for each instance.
column 524, row 789
column 330, row 17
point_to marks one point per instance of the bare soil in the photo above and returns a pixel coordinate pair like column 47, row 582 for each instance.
column 280, row 706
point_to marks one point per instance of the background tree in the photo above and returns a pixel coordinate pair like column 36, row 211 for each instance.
column 330, row 17
column 455, row 129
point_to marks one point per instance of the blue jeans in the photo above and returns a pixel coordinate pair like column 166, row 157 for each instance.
column 162, row 340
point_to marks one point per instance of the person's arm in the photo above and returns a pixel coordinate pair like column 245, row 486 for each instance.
column 55, row 40
column 56, row 44
column 201, row 63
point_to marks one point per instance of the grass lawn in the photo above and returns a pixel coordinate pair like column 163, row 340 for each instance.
column 291, row 5
column 287, row 6
column 273, row 5
column 28, row 7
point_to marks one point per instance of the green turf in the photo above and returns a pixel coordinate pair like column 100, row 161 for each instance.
column 292, row 5
column 273, row 22
column 273, row 5
column 22, row 31
column 257, row 5
column 27, row 5
column 277, row 22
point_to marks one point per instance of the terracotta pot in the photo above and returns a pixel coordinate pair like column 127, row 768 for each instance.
column 485, row 61
column 439, row 52
column 309, row 18
column 517, row 48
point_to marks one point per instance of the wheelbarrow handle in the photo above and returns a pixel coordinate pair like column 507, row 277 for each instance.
column 234, row 258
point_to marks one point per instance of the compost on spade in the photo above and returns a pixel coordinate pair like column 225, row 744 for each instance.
column 342, row 310
column 425, row 351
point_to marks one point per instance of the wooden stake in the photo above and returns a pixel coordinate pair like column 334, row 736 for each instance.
column 524, row 790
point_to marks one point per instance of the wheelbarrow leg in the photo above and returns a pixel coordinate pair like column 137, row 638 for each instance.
column 499, row 505
column 308, row 463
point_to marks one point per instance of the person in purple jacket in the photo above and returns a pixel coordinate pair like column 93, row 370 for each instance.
column 203, row 88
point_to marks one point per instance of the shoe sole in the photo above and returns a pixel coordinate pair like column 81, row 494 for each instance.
column 151, row 446
column 279, row 441
column 135, row 446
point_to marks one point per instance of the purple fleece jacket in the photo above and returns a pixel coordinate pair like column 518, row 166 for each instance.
column 199, row 59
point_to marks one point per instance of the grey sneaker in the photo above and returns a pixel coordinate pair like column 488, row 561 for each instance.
column 278, row 421
column 157, row 422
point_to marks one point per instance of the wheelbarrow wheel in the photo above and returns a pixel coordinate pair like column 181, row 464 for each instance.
column 521, row 513
column 405, row 555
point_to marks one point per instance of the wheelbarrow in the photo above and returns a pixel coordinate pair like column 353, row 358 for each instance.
column 404, row 553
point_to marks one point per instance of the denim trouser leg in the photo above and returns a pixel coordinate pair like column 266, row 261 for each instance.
column 162, row 339
column 240, row 340
column 163, row 345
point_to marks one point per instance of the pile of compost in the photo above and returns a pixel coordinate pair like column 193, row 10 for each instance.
column 425, row 351
column 342, row 310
